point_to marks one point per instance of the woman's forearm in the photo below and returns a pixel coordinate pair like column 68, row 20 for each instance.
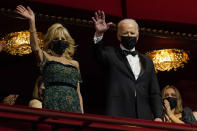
column 33, row 36
column 175, row 119
column 81, row 104
column 80, row 98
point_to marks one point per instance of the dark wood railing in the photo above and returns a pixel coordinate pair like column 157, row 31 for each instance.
column 18, row 117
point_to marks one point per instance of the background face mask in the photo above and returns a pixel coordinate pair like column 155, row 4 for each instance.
column 59, row 46
column 128, row 41
column 172, row 101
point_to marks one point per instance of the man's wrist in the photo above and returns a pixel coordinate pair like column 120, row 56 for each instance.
column 98, row 34
column 97, row 38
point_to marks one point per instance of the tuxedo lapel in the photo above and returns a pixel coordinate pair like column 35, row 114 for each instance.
column 142, row 63
column 125, row 62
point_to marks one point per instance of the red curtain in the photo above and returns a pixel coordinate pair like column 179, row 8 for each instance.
column 182, row 11
column 112, row 7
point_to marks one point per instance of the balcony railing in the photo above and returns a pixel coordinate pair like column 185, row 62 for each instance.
column 24, row 118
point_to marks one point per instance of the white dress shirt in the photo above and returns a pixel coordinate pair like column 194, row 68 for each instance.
column 134, row 61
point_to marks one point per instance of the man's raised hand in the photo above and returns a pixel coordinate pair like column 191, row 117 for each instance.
column 99, row 22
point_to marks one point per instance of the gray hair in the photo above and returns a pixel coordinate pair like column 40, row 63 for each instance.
column 129, row 20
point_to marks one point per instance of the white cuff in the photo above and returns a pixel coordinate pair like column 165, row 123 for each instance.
column 97, row 39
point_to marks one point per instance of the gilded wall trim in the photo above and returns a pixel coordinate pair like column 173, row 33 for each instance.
column 89, row 24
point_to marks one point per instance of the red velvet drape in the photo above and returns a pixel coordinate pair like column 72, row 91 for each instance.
column 183, row 11
column 112, row 7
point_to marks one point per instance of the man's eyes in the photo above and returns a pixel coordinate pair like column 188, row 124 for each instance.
column 128, row 32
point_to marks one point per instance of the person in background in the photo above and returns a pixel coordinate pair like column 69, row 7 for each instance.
column 10, row 99
column 2, row 45
column 133, row 89
column 173, row 110
column 36, row 102
column 60, row 72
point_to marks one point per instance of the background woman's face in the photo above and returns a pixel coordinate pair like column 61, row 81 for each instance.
column 170, row 93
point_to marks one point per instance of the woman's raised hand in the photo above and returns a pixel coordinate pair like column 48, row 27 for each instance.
column 167, row 108
column 25, row 12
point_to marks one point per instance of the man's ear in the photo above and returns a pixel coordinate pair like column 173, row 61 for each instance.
column 137, row 37
column 118, row 37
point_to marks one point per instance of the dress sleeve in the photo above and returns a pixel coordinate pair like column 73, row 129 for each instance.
column 187, row 116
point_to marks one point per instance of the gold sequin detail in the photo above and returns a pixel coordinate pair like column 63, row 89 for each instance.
column 69, row 99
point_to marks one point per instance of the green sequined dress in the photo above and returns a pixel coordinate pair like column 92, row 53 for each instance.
column 60, row 82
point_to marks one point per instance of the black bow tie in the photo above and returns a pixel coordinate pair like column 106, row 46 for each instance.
column 133, row 53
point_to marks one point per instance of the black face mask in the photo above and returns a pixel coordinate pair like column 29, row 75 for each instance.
column 172, row 101
column 128, row 41
column 59, row 46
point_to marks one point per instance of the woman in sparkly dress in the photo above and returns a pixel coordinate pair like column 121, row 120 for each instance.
column 60, row 72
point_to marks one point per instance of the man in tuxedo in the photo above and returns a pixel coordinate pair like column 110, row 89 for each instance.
column 133, row 89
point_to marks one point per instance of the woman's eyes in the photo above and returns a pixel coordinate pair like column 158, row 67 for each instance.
column 166, row 95
column 59, row 39
column 172, row 95
column 56, row 39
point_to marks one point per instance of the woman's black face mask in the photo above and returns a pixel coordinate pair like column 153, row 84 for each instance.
column 172, row 101
column 59, row 46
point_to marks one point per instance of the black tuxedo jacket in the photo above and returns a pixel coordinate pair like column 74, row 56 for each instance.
column 126, row 96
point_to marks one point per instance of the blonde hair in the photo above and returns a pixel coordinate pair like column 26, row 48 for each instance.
column 51, row 33
column 178, row 108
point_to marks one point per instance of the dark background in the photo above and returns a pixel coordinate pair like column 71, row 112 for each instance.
column 18, row 73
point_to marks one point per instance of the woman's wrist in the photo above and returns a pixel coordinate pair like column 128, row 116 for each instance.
column 32, row 30
column 32, row 20
column 171, row 116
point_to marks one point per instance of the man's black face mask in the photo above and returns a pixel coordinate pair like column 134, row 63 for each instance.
column 128, row 41
column 172, row 101
column 59, row 46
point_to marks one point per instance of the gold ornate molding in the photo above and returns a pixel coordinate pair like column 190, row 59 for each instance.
column 89, row 23
column 165, row 33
